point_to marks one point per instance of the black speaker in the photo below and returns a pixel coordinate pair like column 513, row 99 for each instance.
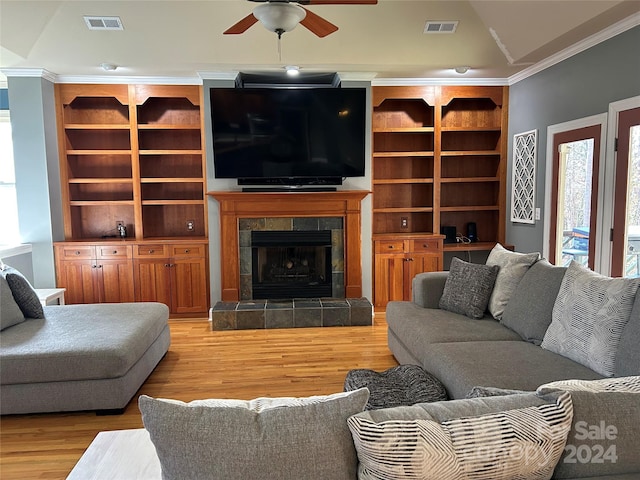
column 449, row 234
column 472, row 232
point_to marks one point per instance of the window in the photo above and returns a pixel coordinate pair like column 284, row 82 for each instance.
column 9, row 233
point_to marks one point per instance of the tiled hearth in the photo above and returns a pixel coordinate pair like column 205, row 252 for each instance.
column 293, row 313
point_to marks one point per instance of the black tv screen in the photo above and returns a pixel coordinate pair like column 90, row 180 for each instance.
column 288, row 136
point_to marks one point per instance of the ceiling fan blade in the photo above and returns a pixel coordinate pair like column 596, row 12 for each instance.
column 338, row 2
column 242, row 26
column 317, row 24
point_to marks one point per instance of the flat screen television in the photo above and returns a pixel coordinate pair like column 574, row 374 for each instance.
column 288, row 136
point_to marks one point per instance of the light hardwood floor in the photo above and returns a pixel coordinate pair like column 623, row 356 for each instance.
column 201, row 364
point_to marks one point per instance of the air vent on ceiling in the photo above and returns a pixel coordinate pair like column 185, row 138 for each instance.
column 103, row 23
column 441, row 27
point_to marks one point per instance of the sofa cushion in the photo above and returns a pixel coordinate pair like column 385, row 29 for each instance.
column 23, row 293
column 468, row 288
column 531, row 305
column 589, row 315
column 450, row 440
column 261, row 439
column 515, row 365
column 418, row 327
column 601, row 441
column 80, row 342
column 513, row 266
column 10, row 313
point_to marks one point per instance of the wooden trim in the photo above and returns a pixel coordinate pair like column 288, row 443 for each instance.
column 560, row 138
column 236, row 205
column 626, row 120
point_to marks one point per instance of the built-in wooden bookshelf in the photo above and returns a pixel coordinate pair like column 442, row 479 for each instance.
column 439, row 159
column 132, row 154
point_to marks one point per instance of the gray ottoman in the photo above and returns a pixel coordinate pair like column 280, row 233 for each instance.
column 401, row 385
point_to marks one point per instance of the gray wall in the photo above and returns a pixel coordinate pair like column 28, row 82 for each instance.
column 33, row 125
column 578, row 87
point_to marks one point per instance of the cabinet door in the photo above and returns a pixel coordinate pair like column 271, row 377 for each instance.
column 418, row 263
column 189, row 285
column 81, row 279
column 152, row 280
column 389, row 278
column 116, row 281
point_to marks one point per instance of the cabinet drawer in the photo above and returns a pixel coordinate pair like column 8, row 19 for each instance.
column 79, row 251
column 187, row 250
column 390, row 246
column 426, row 245
column 113, row 251
column 150, row 250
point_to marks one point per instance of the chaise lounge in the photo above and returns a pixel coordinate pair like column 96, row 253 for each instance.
column 75, row 357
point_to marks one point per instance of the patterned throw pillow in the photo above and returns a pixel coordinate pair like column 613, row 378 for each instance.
column 496, row 438
column 513, row 266
column 588, row 318
column 10, row 313
column 468, row 288
column 261, row 439
column 23, row 293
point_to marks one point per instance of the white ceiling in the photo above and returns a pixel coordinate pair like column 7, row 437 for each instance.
column 183, row 38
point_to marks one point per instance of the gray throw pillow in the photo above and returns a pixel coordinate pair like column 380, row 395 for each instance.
column 10, row 313
column 529, row 311
column 261, row 439
column 495, row 438
column 589, row 316
column 513, row 267
column 468, row 288
column 603, row 441
column 23, row 293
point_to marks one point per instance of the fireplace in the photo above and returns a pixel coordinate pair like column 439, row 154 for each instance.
column 238, row 207
column 291, row 264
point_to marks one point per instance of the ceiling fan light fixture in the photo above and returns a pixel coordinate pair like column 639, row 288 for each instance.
column 279, row 17
column 108, row 67
column 462, row 70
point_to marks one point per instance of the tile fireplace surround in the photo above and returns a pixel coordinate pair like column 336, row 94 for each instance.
column 236, row 206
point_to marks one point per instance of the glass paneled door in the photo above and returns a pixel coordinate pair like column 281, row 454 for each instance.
column 625, row 258
column 574, row 196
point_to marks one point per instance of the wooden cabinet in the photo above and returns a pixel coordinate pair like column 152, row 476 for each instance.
column 174, row 274
column 171, row 272
column 95, row 273
column 133, row 155
column 398, row 260
column 439, row 159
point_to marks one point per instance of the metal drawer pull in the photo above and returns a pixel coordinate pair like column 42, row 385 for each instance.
column 151, row 251
column 115, row 252
column 187, row 250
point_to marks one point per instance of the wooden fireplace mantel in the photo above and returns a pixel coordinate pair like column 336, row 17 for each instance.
column 235, row 205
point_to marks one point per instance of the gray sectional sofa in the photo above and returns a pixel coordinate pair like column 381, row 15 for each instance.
column 468, row 352
column 75, row 357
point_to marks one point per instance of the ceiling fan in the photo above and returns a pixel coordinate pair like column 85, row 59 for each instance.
column 281, row 16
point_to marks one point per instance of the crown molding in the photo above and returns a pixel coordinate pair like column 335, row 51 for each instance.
column 103, row 79
column 29, row 72
column 140, row 80
column 591, row 41
column 399, row 82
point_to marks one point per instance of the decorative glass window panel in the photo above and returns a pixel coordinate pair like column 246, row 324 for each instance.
column 524, row 177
